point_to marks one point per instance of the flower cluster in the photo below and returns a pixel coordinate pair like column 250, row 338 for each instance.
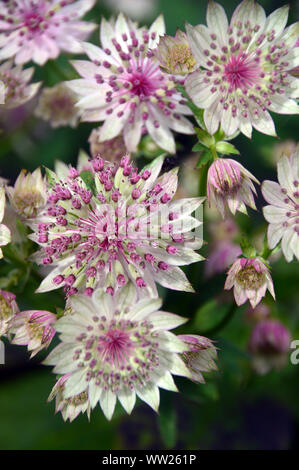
column 112, row 226
column 17, row 89
column 37, row 30
column 282, row 213
column 244, row 68
column 113, row 348
column 123, row 86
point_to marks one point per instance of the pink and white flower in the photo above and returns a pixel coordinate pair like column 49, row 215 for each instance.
column 110, row 150
column 39, row 30
column 119, row 227
column 269, row 344
column 71, row 407
column 57, row 106
column 34, row 329
column 229, row 185
column 17, row 88
column 244, row 68
column 123, row 86
column 28, row 196
column 118, row 349
column 199, row 356
column 250, row 279
column 8, row 309
column 174, row 54
column 282, row 213
column 5, row 235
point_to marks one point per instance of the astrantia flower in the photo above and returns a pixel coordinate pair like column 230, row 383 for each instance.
column 229, row 184
column 110, row 150
column 250, row 279
column 63, row 170
column 33, row 328
column 5, row 235
column 70, row 408
column 269, row 344
column 245, row 68
column 38, row 30
column 57, row 106
column 121, row 227
column 199, row 356
column 124, row 86
column 17, row 89
column 29, row 194
column 8, row 309
column 283, row 211
column 118, row 349
column 174, row 54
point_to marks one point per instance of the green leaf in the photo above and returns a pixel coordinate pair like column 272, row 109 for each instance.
column 247, row 249
column 51, row 177
column 210, row 314
column 88, row 178
column 226, row 148
column 167, row 421
column 205, row 157
column 204, row 137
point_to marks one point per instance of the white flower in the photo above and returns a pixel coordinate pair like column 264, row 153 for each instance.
column 123, row 85
column 244, row 68
column 5, row 235
column 118, row 349
column 283, row 211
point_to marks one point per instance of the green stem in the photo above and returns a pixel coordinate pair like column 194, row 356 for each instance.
column 202, row 188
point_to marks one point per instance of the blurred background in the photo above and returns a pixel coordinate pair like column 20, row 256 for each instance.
column 238, row 407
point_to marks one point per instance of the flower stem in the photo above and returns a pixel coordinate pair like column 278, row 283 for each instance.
column 202, row 187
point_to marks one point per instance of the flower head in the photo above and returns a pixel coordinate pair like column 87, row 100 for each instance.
column 110, row 150
column 38, row 30
column 8, row 309
column 29, row 194
column 244, row 68
column 250, row 279
column 124, row 86
column 269, row 344
column 5, row 235
column 174, row 54
column 229, row 184
column 199, row 356
column 118, row 349
column 116, row 228
column 283, row 211
column 33, row 328
column 70, row 408
column 17, row 89
column 57, row 105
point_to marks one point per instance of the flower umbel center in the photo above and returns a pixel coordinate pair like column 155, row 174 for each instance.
column 249, row 278
column 241, row 71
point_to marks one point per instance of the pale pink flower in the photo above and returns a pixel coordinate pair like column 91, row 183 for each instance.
column 244, row 68
column 110, row 150
column 118, row 227
column 17, row 87
column 283, row 211
column 34, row 329
column 39, row 30
column 5, row 234
column 28, row 196
column 118, row 349
column 174, row 54
column 250, row 279
column 269, row 344
column 123, row 86
column 71, row 407
column 222, row 255
column 8, row 309
column 57, row 106
column 199, row 356
column 229, row 185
